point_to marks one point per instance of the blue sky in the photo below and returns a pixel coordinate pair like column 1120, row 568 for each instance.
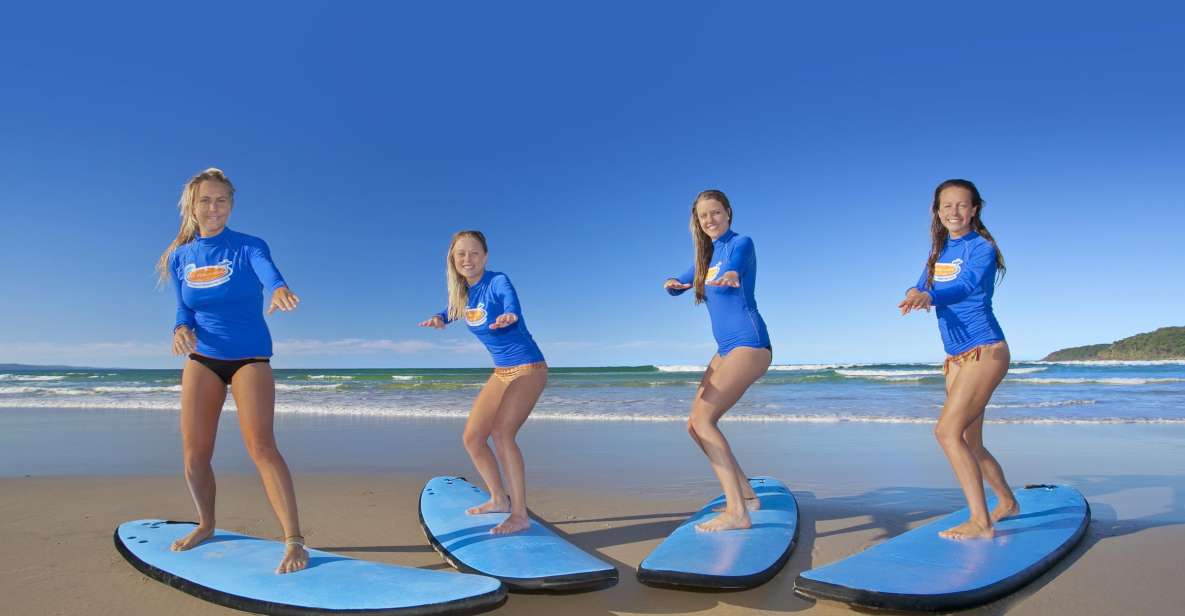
column 361, row 135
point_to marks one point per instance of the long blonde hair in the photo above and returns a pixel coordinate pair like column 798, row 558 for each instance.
column 702, row 241
column 458, row 286
column 189, row 225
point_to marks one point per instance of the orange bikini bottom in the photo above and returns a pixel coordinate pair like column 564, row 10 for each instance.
column 968, row 355
column 507, row 375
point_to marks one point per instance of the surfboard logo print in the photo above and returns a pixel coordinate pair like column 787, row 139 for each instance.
column 476, row 316
column 208, row 275
column 713, row 272
column 946, row 272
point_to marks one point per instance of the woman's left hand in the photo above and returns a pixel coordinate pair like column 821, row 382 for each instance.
column 727, row 279
column 915, row 300
column 283, row 299
column 506, row 319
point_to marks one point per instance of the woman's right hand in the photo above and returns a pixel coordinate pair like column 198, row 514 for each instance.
column 435, row 322
column 184, row 342
column 671, row 283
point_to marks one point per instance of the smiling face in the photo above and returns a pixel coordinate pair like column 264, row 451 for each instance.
column 955, row 210
column 212, row 207
column 713, row 218
column 469, row 258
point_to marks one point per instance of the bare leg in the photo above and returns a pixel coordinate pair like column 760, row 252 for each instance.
column 255, row 395
column 202, row 395
column 1006, row 505
column 969, row 387
column 752, row 503
column 517, row 403
column 476, row 439
column 731, row 378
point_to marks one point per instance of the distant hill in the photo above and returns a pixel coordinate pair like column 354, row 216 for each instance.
column 1164, row 343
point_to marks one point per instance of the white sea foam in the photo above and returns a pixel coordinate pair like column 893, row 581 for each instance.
column 287, row 387
column 1041, row 405
column 873, row 374
column 404, row 377
column 807, row 367
column 1027, row 370
column 333, row 377
column 131, row 389
column 681, row 368
column 20, row 390
column 1095, row 380
column 32, row 377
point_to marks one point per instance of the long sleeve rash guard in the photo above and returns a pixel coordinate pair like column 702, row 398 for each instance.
column 964, row 281
column 219, row 282
column 489, row 298
column 733, row 310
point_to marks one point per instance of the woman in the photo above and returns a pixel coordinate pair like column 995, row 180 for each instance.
column 959, row 280
column 218, row 275
column 489, row 305
column 724, row 275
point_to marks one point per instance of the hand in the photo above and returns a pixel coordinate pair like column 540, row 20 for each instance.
column 283, row 299
column 728, row 279
column 184, row 342
column 506, row 319
column 435, row 322
column 915, row 300
column 671, row 283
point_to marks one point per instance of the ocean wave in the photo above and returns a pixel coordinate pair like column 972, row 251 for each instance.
column 287, row 387
column 130, row 389
column 1096, row 380
column 890, row 375
column 1118, row 362
column 807, row 367
column 404, row 377
column 1041, row 405
column 1027, row 370
column 386, row 412
column 20, row 389
column 335, row 377
column 681, row 368
column 31, row 377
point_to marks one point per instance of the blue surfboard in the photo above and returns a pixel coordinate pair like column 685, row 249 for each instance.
column 238, row 571
column 920, row 571
column 731, row 559
column 536, row 559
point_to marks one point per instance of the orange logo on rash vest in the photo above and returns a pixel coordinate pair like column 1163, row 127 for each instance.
column 712, row 272
column 946, row 272
column 208, row 275
column 476, row 316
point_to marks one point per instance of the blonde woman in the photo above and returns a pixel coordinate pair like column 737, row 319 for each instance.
column 220, row 277
column 959, row 280
column 489, row 305
column 724, row 276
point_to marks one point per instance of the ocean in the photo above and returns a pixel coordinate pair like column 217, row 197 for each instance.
column 1033, row 392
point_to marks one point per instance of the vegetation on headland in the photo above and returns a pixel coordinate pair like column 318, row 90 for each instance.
column 1164, row 343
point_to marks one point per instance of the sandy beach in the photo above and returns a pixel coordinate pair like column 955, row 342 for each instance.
column 615, row 489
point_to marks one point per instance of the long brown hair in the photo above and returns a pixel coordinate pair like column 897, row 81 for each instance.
column 939, row 234
column 702, row 241
column 189, row 225
column 458, row 286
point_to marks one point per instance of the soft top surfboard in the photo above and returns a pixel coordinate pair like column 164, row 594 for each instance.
column 920, row 571
column 731, row 559
column 238, row 571
column 535, row 559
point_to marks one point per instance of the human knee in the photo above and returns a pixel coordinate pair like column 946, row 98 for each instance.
column 701, row 425
column 198, row 461
column 947, row 435
column 503, row 439
column 473, row 440
column 262, row 450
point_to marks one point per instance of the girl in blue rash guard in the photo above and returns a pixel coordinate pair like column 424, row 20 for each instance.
column 220, row 276
column 489, row 305
column 724, row 275
column 959, row 280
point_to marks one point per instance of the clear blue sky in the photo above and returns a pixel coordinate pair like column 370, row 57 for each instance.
column 360, row 135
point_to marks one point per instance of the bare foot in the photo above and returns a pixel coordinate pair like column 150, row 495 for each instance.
column 1005, row 510
column 511, row 524
column 490, row 506
column 724, row 521
column 968, row 530
column 198, row 535
column 295, row 558
column 752, row 503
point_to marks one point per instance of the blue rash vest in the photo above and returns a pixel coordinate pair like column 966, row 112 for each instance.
column 964, row 281
column 219, row 282
column 489, row 298
column 733, row 310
